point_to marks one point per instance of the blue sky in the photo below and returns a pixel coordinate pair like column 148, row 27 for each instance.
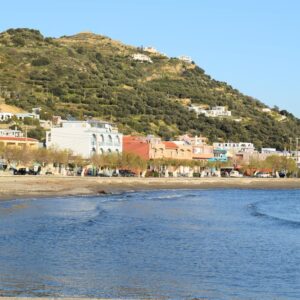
column 253, row 45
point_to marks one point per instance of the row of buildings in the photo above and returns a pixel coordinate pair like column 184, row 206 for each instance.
column 87, row 138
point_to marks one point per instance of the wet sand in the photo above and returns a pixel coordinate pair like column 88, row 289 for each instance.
column 12, row 187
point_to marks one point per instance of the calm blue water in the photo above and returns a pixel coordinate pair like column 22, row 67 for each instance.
column 221, row 244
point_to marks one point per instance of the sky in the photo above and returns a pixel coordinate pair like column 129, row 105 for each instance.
column 253, row 45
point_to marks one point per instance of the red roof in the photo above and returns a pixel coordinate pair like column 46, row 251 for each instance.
column 17, row 139
column 170, row 145
column 136, row 145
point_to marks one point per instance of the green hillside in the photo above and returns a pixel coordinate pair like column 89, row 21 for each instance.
column 88, row 75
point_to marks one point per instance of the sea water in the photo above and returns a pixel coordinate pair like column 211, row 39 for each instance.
column 177, row 244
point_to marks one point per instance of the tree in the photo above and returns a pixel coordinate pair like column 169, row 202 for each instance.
column 38, row 133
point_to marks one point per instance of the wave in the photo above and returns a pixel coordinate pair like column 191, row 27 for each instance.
column 256, row 211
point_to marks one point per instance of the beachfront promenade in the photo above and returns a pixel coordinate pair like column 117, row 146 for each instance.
column 12, row 187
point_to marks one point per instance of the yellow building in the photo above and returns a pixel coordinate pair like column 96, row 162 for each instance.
column 10, row 141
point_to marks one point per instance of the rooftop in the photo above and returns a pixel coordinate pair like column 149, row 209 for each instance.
column 17, row 139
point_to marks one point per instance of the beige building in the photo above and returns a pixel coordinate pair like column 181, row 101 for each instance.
column 201, row 150
column 170, row 150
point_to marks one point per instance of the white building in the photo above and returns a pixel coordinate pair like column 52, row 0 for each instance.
column 268, row 150
column 35, row 114
column 46, row 124
column 4, row 116
column 11, row 133
column 235, row 147
column 219, row 111
column 193, row 140
column 198, row 109
column 85, row 137
column 141, row 57
column 214, row 112
column 186, row 59
column 266, row 110
column 151, row 50
column 22, row 116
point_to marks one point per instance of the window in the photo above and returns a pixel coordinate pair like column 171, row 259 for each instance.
column 101, row 139
column 93, row 151
column 94, row 140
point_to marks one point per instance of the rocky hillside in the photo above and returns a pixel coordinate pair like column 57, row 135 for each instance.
column 88, row 75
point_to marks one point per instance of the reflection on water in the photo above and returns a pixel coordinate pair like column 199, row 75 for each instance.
column 225, row 244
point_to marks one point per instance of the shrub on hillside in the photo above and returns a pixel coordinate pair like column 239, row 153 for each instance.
column 41, row 61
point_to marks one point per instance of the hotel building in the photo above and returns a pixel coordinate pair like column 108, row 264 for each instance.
column 85, row 137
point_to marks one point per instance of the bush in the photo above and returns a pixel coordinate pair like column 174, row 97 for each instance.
column 18, row 41
column 37, row 133
column 41, row 61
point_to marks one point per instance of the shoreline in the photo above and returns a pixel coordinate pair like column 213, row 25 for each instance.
column 20, row 187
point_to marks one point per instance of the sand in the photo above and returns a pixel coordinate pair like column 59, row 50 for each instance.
column 13, row 187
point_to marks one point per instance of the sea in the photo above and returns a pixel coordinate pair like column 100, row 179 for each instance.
column 160, row 244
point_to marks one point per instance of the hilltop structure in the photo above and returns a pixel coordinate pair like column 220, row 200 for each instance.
column 214, row 112
column 185, row 58
column 142, row 58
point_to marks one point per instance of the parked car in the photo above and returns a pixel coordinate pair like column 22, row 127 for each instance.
column 235, row 174
column 282, row 174
column 263, row 175
column 32, row 172
column 126, row 173
column 103, row 175
column 20, row 171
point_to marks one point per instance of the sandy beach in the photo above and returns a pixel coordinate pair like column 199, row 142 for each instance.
column 12, row 187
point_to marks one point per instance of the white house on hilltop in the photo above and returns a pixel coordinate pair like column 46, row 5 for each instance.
column 150, row 49
column 85, row 137
column 219, row 111
column 4, row 116
column 141, row 57
column 216, row 111
column 186, row 59
column 266, row 110
column 32, row 115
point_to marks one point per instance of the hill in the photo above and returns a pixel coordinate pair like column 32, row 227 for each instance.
column 88, row 75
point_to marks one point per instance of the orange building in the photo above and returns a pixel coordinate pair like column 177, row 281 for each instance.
column 154, row 148
column 137, row 145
